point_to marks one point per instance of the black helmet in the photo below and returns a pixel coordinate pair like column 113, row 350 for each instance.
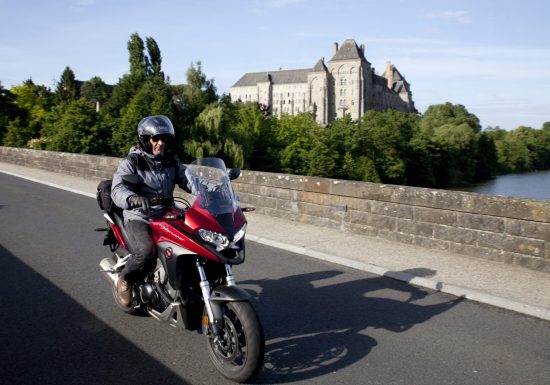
column 153, row 126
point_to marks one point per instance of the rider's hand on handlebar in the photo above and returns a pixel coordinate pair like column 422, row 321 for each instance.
column 135, row 201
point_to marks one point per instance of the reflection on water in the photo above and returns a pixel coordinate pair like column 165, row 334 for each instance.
column 534, row 185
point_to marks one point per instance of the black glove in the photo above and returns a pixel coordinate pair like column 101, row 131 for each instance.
column 135, row 201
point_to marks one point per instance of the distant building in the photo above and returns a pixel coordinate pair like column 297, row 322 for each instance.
column 347, row 84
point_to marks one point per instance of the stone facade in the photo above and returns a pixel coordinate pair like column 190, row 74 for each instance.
column 505, row 229
column 347, row 84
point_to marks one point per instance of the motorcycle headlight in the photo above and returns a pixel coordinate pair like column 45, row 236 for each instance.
column 219, row 240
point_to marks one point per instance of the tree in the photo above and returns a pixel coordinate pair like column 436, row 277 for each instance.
column 154, row 59
column 296, row 135
column 138, row 62
column 454, row 133
column 17, row 134
column 195, row 95
column 71, row 127
column 33, row 103
column 456, row 147
column 95, row 91
column 153, row 98
column 448, row 113
column 67, row 89
column 9, row 110
column 322, row 160
column 252, row 130
column 487, row 160
column 384, row 138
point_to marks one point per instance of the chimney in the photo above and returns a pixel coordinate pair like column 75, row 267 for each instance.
column 389, row 74
column 362, row 48
column 335, row 48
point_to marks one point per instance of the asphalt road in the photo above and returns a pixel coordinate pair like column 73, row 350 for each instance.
column 324, row 324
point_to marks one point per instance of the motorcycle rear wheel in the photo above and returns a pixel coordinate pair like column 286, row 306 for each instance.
column 239, row 352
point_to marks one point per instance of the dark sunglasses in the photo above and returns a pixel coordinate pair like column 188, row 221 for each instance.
column 165, row 138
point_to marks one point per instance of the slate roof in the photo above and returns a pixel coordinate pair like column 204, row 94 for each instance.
column 276, row 77
column 348, row 51
column 320, row 66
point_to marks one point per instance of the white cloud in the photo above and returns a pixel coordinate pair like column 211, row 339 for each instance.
column 461, row 17
column 283, row 3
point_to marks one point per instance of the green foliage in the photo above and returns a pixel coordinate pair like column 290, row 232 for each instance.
column 95, row 91
column 9, row 110
column 383, row 137
column 67, row 89
column 138, row 62
column 72, row 127
column 192, row 98
column 154, row 60
column 17, row 134
column 32, row 104
column 296, row 136
column 448, row 113
column 487, row 159
column 153, row 98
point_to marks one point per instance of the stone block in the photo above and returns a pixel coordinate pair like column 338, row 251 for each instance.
column 424, row 229
column 442, row 217
column 455, row 234
column 396, row 236
column 522, row 245
column 490, row 240
column 288, row 205
column 363, row 230
column 405, row 226
column 391, row 209
column 527, row 229
column 480, row 222
column 318, row 185
column 373, row 220
column 320, row 211
column 430, row 243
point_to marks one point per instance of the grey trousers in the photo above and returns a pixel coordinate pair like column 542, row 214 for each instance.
column 143, row 258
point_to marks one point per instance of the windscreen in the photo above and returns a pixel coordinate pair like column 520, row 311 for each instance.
column 210, row 182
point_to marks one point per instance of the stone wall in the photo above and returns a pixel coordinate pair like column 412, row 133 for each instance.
column 506, row 229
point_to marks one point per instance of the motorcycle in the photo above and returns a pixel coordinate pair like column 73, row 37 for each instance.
column 193, row 286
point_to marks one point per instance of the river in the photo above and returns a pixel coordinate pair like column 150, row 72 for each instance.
column 534, row 185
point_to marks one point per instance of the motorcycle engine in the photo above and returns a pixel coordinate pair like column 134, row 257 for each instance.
column 150, row 295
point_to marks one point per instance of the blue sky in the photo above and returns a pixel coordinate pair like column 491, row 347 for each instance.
column 491, row 56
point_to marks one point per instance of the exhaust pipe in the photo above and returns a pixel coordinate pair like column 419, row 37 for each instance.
column 107, row 268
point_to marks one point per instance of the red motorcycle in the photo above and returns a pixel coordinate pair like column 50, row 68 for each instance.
column 193, row 286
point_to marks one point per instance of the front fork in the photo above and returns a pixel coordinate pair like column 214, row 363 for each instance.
column 214, row 312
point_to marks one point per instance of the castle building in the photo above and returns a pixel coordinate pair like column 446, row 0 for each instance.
column 346, row 84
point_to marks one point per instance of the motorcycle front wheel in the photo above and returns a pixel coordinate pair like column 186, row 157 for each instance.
column 238, row 353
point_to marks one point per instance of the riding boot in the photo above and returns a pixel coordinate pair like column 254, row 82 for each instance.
column 124, row 292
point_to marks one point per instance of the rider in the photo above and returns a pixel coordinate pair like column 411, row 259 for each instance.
column 159, row 171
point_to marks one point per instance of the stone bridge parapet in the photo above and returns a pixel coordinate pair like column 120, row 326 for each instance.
column 506, row 229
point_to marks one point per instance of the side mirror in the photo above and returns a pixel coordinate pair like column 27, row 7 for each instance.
column 131, row 179
column 234, row 173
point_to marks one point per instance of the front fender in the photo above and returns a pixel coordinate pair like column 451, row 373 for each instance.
column 228, row 294
column 223, row 294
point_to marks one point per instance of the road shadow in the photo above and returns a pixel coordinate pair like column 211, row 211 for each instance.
column 316, row 323
column 48, row 338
